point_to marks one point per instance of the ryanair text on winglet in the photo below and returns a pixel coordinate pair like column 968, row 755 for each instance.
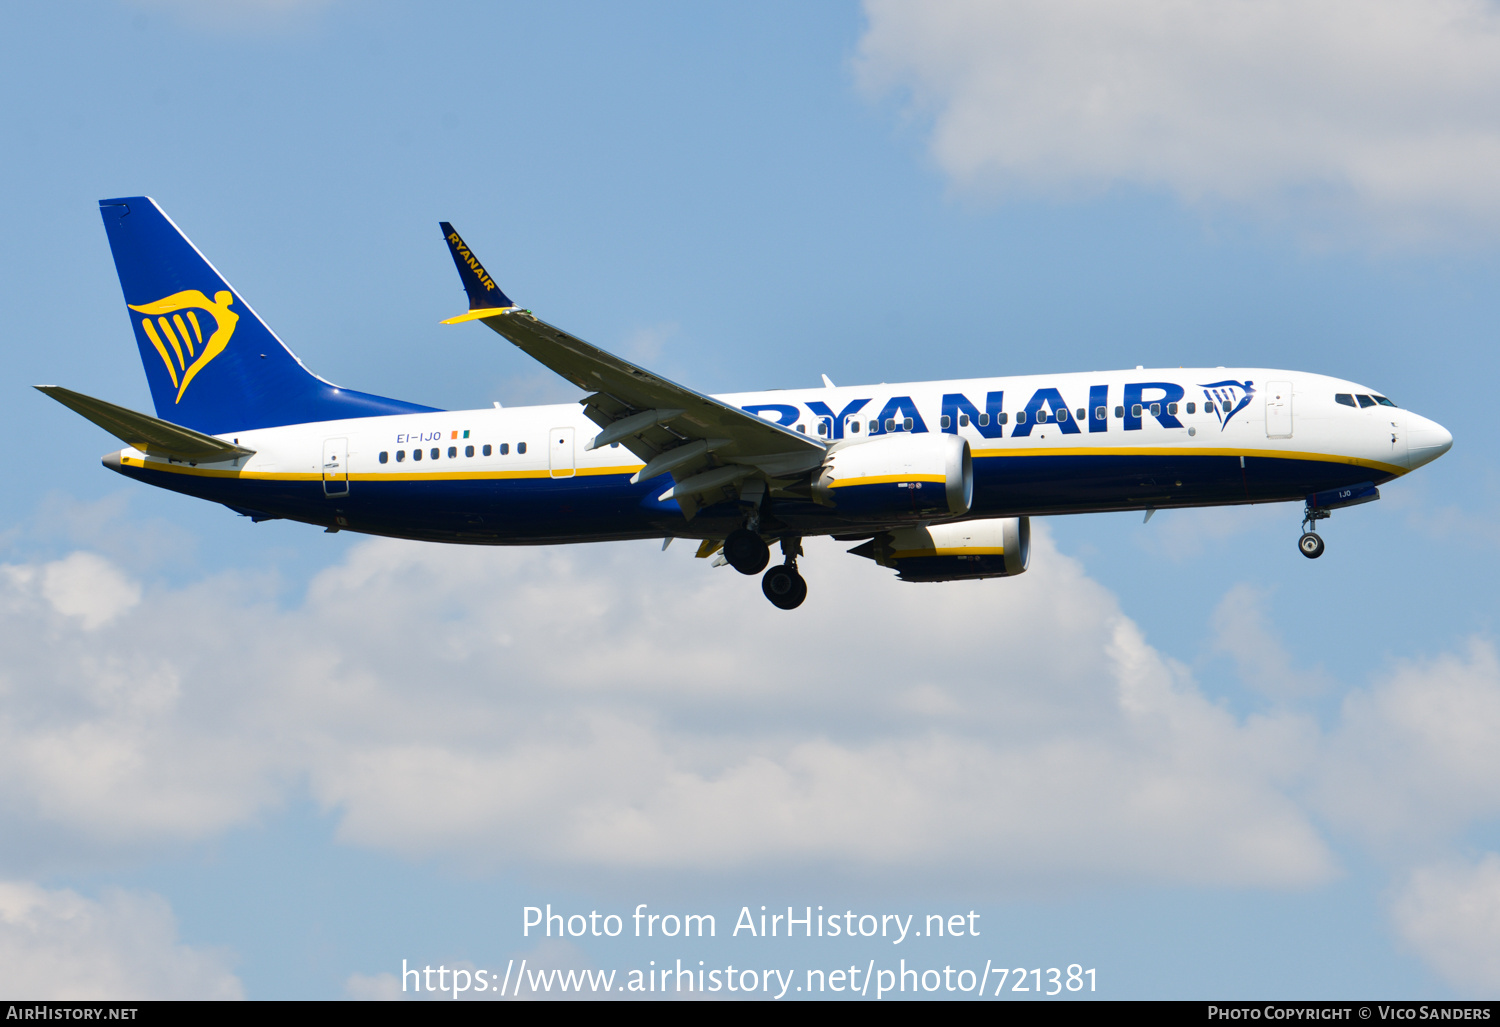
column 471, row 260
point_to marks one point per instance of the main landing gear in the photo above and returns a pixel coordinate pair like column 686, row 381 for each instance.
column 1311, row 543
column 746, row 551
column 782, row 584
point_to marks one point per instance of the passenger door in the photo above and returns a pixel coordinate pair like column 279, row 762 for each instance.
column 1278, row 410
column 560, row 453
column 335, row 467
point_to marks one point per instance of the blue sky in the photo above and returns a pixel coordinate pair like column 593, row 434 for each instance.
column 267, row 761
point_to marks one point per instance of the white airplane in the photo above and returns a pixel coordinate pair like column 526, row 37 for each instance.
column 936, row 480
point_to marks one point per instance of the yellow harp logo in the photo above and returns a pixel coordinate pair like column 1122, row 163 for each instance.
column 175, row 319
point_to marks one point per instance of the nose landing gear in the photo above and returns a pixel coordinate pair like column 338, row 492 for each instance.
column 782, row 584
column 1311, row 543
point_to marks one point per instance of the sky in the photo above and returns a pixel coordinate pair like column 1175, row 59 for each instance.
column 262, row 761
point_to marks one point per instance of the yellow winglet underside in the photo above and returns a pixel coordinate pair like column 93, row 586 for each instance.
column 475, row 315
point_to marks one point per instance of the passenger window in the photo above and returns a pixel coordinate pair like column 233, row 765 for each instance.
column 906, row 424
column 1384, row 402
column 1119, row 411
column 1001, row 418
column 1135, row 410
column 436, row 452
column 1346, row 398
column 1192, row 408
column 984, row 420
column 802, row 428
column 963, row 420
column 385, row 457
column 486, row 449
column 946, row 422
column 505, row 449
column 453, row 452
column 1366, row 401
column 1155, row 409
column 854, row 427
column 1041, row 416
column 1081, row 414
column 890, row 424
column 1062, row 414
column 1208, row 407
column 400, row 455
column 468, row 451
column 520, row 447
column 1172, row 408
column 416, row 454
column 874, row 427
column 822, row 427
column 1020, row 417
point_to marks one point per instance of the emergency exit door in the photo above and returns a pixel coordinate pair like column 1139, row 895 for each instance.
column 560, row 453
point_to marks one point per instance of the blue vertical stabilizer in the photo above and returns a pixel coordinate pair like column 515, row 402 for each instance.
column 212, row 363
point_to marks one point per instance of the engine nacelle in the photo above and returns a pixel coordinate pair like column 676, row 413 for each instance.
column 995, row 548
column 917, row 476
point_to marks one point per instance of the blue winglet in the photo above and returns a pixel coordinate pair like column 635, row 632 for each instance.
column 483, row 293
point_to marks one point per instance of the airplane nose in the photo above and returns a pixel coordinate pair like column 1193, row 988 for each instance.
column 1426, row 440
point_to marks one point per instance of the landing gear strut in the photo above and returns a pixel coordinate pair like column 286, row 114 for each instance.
column 782, row 584
column 1311, row 543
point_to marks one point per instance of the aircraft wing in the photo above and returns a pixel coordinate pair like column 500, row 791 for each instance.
column 708, row 447
column 146, row 433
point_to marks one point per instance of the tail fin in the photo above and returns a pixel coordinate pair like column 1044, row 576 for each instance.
column 212, row 363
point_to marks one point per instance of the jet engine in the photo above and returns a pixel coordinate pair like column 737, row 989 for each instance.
column 917, row 476
column 994, row 548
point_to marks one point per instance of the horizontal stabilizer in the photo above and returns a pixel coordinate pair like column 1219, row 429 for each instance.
column 146, row 433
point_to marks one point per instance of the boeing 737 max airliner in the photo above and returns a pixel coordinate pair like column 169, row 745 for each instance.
column 935, row 480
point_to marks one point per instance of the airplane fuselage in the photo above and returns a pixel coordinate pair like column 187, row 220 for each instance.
column 514, row 476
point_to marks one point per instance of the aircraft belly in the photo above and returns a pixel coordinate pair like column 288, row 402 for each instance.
column 1085, row 483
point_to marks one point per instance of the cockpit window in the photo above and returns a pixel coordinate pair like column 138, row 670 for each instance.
column 1346, row 398
column 1384, row 402
column 1366, row 401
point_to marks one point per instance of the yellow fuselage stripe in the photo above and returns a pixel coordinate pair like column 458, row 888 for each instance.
column 1188, row 451
column 220, row 472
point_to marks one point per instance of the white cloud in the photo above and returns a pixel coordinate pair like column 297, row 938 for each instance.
column 1243, row 631
column 58, row 945
column 611, row 706
column 1450, row 913
column 1374, row 118
column 1413, row 759
column 83, row 585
